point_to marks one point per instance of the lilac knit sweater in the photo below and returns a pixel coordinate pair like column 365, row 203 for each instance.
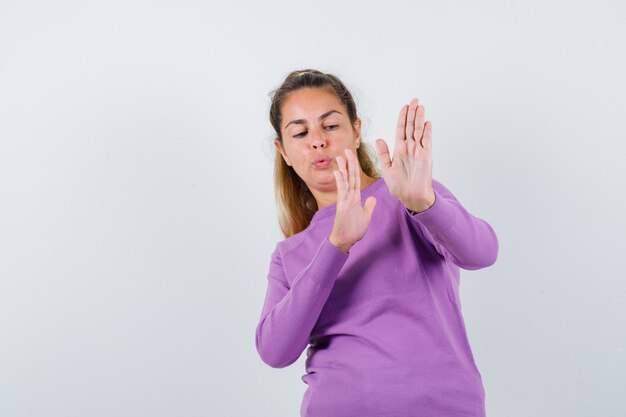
column 384, row 323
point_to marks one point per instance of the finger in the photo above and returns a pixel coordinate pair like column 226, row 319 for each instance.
column 370, row 203
column 427, row 138
column 351, row 170
column 401, row 124
column 341, row 163
column 419, row 123
column 341, row 186
column 410, row 119
column 357, row 172
column 383, row 154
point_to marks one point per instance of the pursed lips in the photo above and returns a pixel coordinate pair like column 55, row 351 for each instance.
column 322, row 162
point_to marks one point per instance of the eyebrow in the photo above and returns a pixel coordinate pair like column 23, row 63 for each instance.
column 322, row 117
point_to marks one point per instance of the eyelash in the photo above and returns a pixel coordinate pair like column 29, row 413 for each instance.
column 302, row 134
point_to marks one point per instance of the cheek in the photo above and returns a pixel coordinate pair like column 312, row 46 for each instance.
column 293, row 148
column 292, row 153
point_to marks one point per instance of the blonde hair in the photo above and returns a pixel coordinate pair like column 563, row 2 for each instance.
column 296, row 204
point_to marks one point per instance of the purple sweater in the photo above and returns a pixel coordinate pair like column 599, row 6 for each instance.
column 384, row 323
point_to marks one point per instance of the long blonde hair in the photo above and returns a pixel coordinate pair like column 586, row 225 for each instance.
column 296, row 204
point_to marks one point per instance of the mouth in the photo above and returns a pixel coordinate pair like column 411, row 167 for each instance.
column 321, row 163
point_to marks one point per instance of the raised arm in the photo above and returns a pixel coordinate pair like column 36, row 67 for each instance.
column 468, row 241
column 289, row 314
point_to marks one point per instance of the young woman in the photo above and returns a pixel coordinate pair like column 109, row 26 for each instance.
column 372, row 287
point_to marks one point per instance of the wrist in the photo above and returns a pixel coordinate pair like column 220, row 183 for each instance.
column 338, row 244
column 420, row 205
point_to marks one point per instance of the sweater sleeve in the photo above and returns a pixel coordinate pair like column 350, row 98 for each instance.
column 289, row 314
column 468, row 241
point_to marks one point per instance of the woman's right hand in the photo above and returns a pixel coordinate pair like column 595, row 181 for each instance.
column 351, row 220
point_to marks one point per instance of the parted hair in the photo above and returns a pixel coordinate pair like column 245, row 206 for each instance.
column 295, row 202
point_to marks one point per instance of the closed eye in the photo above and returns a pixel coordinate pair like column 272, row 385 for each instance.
column 300, row 135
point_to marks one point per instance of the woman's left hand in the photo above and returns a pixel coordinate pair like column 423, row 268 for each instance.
column 409, row 175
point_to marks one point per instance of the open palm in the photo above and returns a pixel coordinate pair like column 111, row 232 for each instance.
column 409, row 174
column 351, row 219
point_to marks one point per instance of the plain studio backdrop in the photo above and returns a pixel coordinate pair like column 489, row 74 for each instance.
column 137, row 212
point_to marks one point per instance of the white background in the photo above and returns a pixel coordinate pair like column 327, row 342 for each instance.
column 137, row 211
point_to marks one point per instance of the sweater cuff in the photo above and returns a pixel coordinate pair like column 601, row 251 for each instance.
column 438, row 218
column 327, row 263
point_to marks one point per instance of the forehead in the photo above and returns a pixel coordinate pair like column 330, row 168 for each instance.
column 309, row 104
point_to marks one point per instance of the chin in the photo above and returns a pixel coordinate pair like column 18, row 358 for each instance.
column 324, row 183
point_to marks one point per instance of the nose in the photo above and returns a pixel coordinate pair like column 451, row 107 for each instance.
column 317, row 140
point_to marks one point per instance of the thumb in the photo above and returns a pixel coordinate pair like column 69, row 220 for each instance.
column 383, row 153
column 370, row 203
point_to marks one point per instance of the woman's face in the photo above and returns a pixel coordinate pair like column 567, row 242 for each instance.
column 316, row 128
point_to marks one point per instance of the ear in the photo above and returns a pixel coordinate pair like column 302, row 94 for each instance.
column 279, row 147
column 357, row 129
